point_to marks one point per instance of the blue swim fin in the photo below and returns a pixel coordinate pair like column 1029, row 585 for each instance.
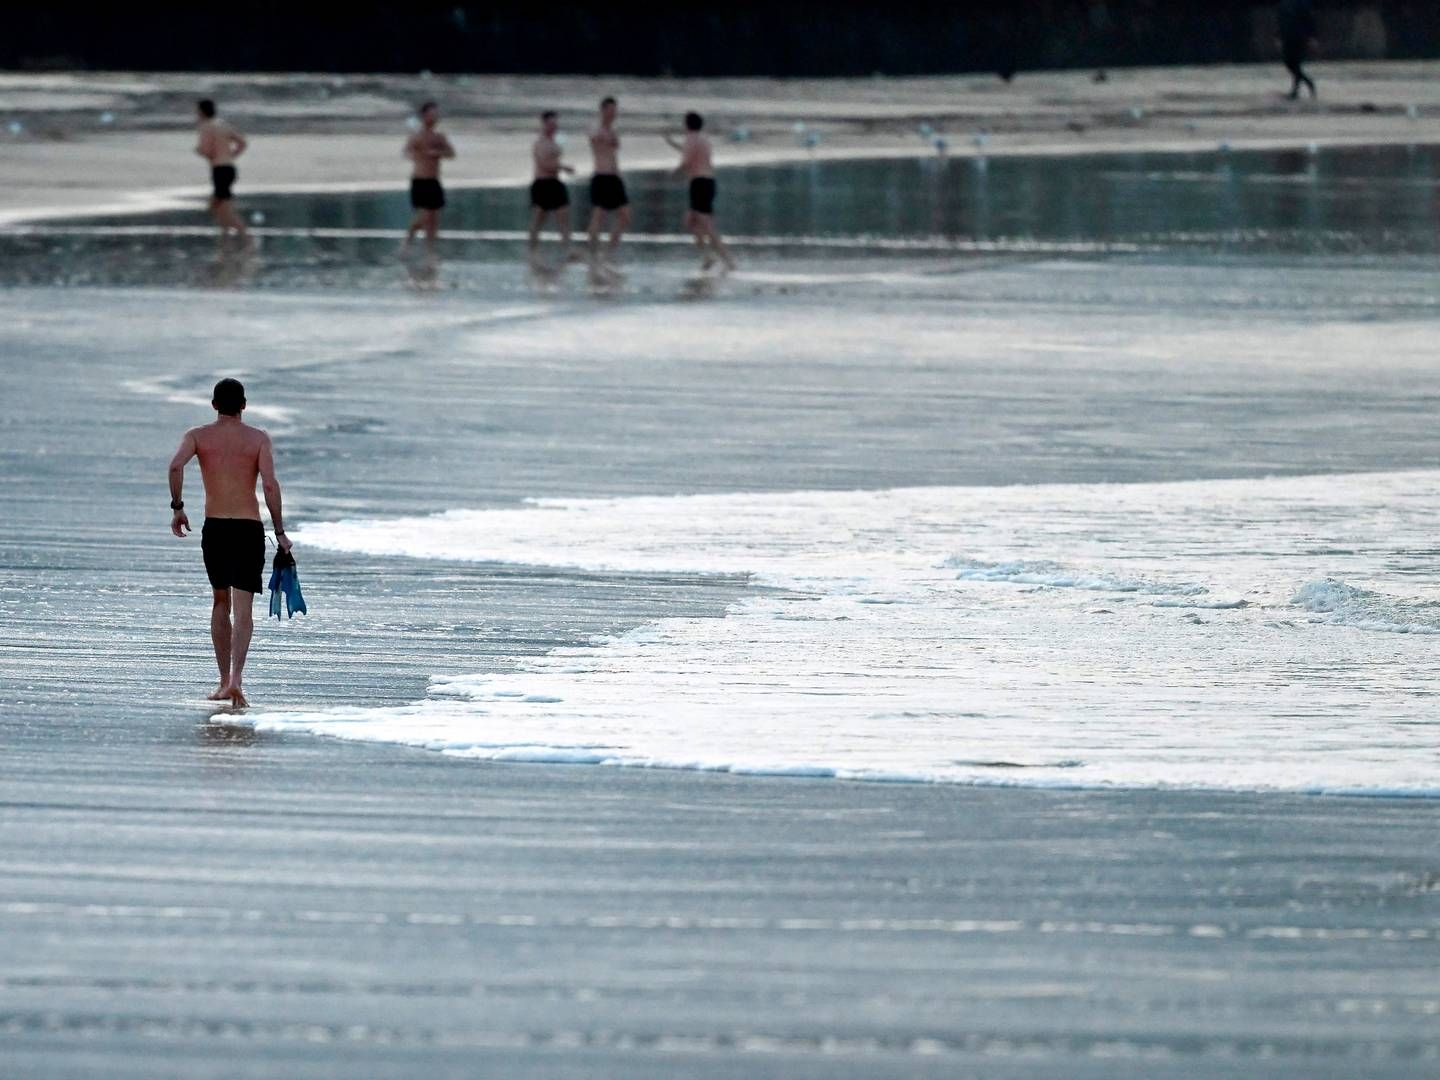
column 285, row 581
column 290, row 585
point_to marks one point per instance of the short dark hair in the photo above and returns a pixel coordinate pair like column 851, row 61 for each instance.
column 607, row 101
column 206, row 107
column 694, row 121
column 549, row 114
column 425, row 106
column 229, row 397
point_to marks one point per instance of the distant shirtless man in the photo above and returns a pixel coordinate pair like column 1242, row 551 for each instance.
column 220, row 144
column 426, row 149
column 232, row 456
column 607, row 190
column 695, row 162
column 548, row 194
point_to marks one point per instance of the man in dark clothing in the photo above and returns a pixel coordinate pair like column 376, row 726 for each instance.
column 1297, row 35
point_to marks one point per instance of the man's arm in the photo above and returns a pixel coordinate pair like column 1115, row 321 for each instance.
column 271, row 486
column 179, row 522
column 445, row 150
column 237, row 143
column 408, row 150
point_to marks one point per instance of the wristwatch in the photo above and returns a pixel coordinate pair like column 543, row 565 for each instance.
column 177, row 504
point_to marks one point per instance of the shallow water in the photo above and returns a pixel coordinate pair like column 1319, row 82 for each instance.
column 906, row 451
column 1352, row 203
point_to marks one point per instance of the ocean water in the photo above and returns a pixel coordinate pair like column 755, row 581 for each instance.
column 1139, row 494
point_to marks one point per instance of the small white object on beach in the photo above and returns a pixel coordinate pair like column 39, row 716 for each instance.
column 980, row 139
column 561, row 138
column 812, row 139
column 1412, row 111
column 257, row 217
column 925, row 130
column 1137, row 113
column 1312, row 149
column 16, row 127
column 741, row 133
column 427, row 74
column 107, row 118
column 413, row 123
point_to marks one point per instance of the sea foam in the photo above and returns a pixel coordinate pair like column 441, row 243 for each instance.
column 1023, row 635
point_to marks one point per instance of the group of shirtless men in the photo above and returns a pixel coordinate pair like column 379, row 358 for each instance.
column 427, row 147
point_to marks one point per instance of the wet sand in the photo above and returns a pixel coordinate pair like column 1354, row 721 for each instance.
column 190, row 899
column 188, row 903
column 124, row 142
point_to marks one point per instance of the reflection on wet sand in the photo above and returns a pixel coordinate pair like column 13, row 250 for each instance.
column 422, row 271
column 233, row 266
column 220, row 730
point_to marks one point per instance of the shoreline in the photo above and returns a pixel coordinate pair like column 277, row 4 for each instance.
column 163, row 200
column 312, row 133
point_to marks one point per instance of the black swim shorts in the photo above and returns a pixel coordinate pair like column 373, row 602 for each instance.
column 426, row 194
column 607, row 192
column 234, row 550
column 222, row 178
column 548, row 193
column 702, row 195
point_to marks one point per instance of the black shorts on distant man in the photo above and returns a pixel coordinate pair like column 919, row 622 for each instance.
column 548, row 193
column 222, row 178
column 607, row 192
column 702, row 195
column 426, row 193
column 234, row 550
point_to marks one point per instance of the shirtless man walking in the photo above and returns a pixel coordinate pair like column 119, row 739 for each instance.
column 695, row 162
column 232, row 456
column 220, row 144
column 548, row 194
column 607, row 190
column 426, row 148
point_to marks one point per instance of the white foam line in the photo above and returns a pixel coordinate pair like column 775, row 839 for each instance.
column 842, row 243
column 158, row 388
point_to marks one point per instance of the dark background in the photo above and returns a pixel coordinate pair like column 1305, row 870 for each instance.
column 807, row 38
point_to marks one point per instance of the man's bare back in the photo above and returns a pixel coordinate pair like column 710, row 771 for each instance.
column 233, row 455
column 695, row 156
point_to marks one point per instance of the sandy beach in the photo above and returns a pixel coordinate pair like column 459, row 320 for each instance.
column 1180, row 462
column 120, row 143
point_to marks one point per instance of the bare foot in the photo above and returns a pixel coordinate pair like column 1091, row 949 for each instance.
column 220, row 693
column 237, row 697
